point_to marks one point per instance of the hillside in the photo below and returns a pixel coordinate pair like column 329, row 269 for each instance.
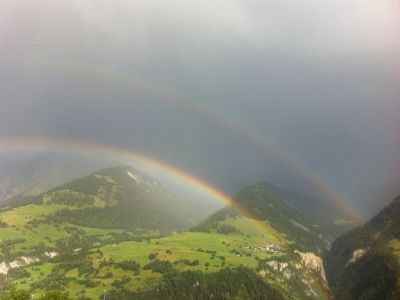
column 330, row 219
column 288, row 232
column 44, row 171
column 134, row 201
column 371, row 249
column 119, row 198
column 102, row 232
column 286, row 219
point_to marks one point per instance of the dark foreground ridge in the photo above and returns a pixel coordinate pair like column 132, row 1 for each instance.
column 365, row 263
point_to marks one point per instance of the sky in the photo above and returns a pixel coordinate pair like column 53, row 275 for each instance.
column 228, row 90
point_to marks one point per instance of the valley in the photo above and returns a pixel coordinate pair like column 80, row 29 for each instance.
column 120, row 232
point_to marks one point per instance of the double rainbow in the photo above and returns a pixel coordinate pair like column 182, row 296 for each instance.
column 285, row 158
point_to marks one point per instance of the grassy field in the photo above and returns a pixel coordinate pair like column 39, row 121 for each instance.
column 37, row 272
column 90, row 260
column 26, row 227
column 22, row 215
column 47, row 235
column 211, row 251
column 188, row 246
column 191, row 246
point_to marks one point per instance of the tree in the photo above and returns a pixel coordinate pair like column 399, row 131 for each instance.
column 55, row 295
column 15, row 294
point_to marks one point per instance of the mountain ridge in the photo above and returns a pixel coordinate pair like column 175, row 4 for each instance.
column 373, row 247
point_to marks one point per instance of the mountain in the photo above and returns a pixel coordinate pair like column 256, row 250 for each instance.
column 134, row 201
column 273, row 207
column 320, row 212
column 365, row 263
column 117, row 230
column 298, row 242
column 119, row 198
column 38, row 174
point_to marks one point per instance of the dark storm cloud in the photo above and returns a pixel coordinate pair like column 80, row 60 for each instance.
column 317, row 78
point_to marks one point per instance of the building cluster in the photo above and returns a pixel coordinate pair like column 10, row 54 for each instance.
column 271, row 248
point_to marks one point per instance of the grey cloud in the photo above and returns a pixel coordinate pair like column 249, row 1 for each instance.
column 316, row 78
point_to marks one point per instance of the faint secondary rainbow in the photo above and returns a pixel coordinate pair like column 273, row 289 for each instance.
column 287, row 160
column 284, row 157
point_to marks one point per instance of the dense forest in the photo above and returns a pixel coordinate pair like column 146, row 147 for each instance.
column 19, row 294
column 227, row 284
column 239, row 283
column 371, row 249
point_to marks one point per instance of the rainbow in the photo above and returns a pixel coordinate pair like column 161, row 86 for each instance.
column 137, row 159
column 287, row 159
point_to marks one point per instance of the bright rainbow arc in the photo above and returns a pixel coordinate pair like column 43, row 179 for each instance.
column 285, row 158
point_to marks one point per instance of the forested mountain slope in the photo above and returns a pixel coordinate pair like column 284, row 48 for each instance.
column 365, row 263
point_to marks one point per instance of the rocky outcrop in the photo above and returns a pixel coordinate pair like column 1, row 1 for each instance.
column 282, row 267
column 357, row 254
column 51, row 254
column 18, row 262
column 312, row 263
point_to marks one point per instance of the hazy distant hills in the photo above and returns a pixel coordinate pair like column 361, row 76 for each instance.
column 365, row 263
column 44, row 171
column 320, row 212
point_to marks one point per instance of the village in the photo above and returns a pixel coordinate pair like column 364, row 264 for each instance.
column 270, row 248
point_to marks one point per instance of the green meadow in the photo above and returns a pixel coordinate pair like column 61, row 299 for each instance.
column 209, row 251
column 87, row 227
